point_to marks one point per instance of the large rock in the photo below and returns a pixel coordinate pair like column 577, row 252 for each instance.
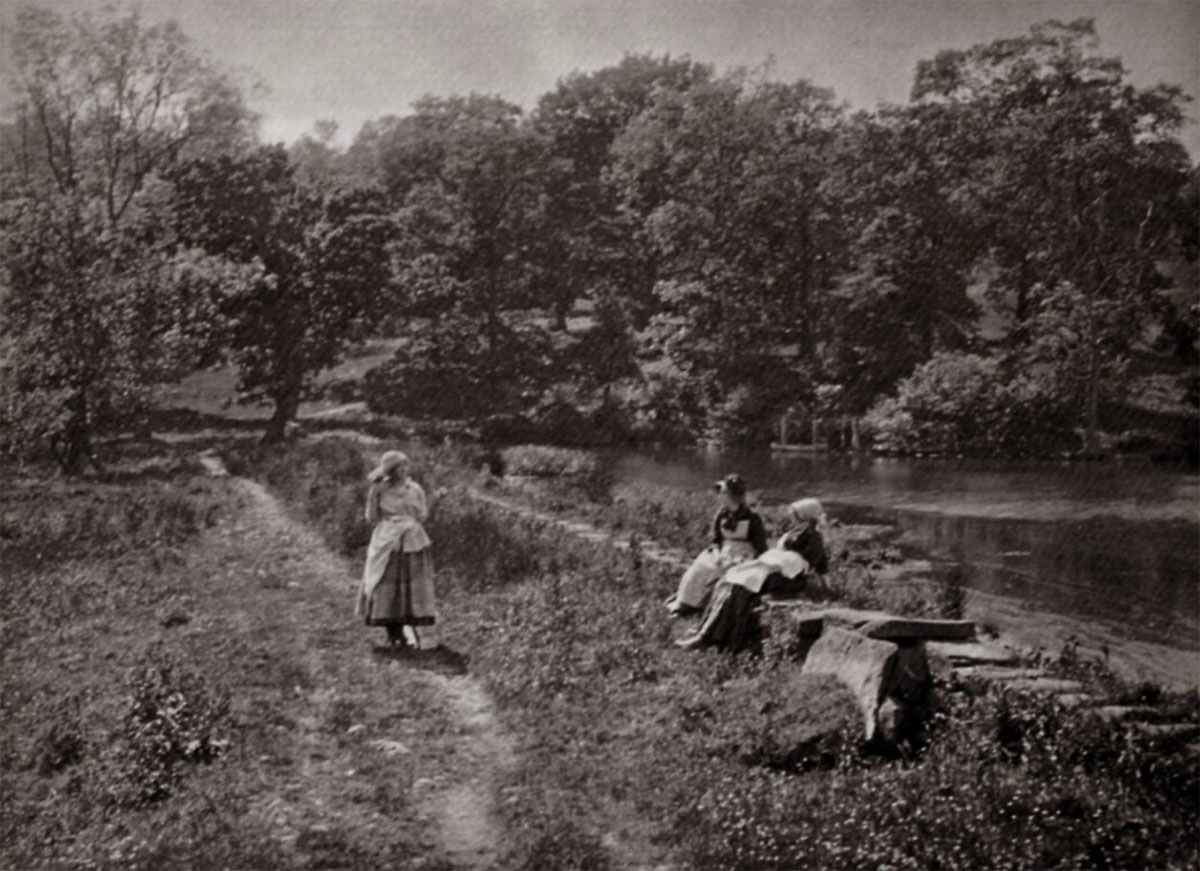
column 875, row 671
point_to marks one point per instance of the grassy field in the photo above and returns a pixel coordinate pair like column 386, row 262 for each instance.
column 184, row 687
column 630, row 752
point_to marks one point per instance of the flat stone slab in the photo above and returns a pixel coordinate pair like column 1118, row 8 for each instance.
column 1167, row 729
column 1046, row 685
column 1120, row 713
column 919, row 629
column 999, row 672
column 973, row 653
column 809, row 623
column 1075, row 700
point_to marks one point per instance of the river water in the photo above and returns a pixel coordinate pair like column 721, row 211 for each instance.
column 1103, row 541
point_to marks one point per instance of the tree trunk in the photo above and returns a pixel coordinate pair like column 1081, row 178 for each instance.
column 73, row 448
column 562, row 307
column 1091, row 431
column 855, row 439
column 287, row 403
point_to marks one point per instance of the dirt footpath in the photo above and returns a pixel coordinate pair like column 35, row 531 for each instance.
column 420, row 723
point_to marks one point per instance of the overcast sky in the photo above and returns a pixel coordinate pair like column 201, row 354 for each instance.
column 353, row 60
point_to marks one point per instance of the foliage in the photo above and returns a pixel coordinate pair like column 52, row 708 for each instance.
column 173, row 719
column 542, row 461
column 725, row 178
column 1082, row 173
column 448, row 369
column 960, row 404
column 106, row 102
column 321, row 257
column 102, row 301
column 1009, row 781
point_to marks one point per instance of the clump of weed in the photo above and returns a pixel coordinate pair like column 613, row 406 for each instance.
column 546, row 462
column 60, row 740
column 173, row 719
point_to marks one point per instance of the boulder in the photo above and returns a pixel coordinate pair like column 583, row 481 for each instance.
column 875, row 671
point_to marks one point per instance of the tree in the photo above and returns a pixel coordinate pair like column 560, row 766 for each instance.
column 105, row 103
column 462, row 174
column 101, row 302
column 727, row 180
column 911, row 243
column 1080, row 169
column 323, row 260
column 95, row 316
column 589, row 242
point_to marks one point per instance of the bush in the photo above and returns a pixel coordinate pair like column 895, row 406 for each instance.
column 173, row 719
column 540, row 461
column 960, row 403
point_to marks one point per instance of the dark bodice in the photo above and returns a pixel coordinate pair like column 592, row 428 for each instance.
column 727, row 520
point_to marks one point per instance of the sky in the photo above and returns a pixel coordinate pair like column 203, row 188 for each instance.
column 355, row 60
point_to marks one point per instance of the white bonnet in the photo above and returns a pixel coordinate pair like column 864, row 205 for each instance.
column 807, row 509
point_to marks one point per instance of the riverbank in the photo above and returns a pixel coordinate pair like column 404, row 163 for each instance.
column 631, row 752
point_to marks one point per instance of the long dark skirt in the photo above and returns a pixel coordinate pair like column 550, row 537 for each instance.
column 730, row 621
column 404, row 596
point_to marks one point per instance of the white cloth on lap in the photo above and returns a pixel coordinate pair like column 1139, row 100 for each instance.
column 706, row 570
column 754, row 573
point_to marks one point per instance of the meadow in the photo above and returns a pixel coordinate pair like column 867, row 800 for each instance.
column 631, row 751
column 175, row 695
column 184, row 686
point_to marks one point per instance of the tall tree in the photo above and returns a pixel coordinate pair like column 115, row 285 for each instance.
column 913, row 240
column 1080, row 170
column 591, row 245
column 93, row 279
column 324, row 268
column 464, row 178
column 103, row 103
column 728, row 178
column 96, row 316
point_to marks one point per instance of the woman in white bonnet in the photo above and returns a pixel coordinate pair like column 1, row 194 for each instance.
column 397, row 585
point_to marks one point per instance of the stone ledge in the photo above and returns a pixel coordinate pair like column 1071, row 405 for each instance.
column 961, row 653
column 809, row 623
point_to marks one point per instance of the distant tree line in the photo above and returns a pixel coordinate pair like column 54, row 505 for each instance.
column 655, row 250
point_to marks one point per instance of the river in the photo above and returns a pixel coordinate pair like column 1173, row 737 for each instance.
column 1114, row 542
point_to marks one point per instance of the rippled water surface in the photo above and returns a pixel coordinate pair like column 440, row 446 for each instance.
column 1117, row 542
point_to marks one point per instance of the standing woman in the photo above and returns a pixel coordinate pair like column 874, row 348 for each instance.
column 397, row 588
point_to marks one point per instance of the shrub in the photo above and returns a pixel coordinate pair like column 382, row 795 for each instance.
column 541, row 461
column 173, row 719
column 958, row 403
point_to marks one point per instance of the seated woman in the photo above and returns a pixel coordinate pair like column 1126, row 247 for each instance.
column 738, row 535
column 782, row 571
